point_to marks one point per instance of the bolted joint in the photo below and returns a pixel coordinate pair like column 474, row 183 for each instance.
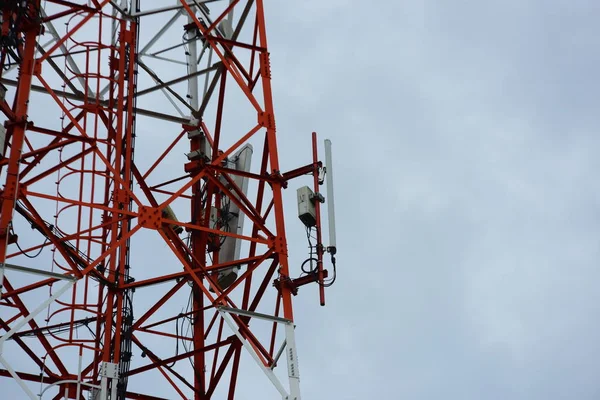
column 279, row 245
column 285, row 281
column 194, row 167
column 265, row 65
column 317, row 197
column 266, row 120
column 276, row 177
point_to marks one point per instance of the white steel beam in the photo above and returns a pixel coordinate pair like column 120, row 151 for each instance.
column 52, row 30
column 192, row 55
column 292, row 361
column 70, row 282
column 19, row 381
column 35, row 312
column 253, row 314
column 274, row 380
column 289, row 345
column 169, row 8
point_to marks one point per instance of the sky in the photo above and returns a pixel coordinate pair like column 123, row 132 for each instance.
column 464, row 138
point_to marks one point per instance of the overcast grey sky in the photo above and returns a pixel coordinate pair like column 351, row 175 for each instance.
column 466, row 141
column 465, row 136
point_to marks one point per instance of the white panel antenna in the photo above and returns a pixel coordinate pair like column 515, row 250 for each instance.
column 330, row 200
column 231, row 247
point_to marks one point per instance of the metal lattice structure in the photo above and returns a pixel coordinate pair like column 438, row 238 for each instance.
column 142, row 232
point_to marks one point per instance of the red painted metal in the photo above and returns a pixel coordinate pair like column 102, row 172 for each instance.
column 70, row 176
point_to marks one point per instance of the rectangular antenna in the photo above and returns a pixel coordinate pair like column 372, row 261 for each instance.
column 330, row 200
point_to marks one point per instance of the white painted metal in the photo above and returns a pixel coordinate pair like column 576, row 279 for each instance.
column 164, row 59
column 48, row 274
column 115, row 26
column 330, row 199
column 117, row 8
column 225, row 28
column 78, row 393
column 306, row 207
column 113, row 389
column 278, row 355
column 160, row 33
column 165, row 92
column 135, row 6
column 19, row 381
column 143, row 54
column 103, row 388
column 72, row 64
column 289, row 345
column 253, row 314
column 34, row 313
column 192, row 57
column 243, row 163
column 292, row 362
column 232, row 247
column 108, row 371
column 178, row 6
column 49, row 386
column 21, row 323
column 274, row 380
column 207, row 77
column 230, row 17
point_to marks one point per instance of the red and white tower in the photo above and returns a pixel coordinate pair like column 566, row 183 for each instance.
column 143, row 252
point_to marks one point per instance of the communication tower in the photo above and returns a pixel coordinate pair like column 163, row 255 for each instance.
column 143, row 252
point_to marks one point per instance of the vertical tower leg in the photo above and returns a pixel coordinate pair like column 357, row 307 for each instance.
column 292, row 361
column 19, row 126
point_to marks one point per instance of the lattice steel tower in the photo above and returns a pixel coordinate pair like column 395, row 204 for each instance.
column 143, row 252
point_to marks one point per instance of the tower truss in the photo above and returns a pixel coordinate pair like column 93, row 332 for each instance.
column 143, row 252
